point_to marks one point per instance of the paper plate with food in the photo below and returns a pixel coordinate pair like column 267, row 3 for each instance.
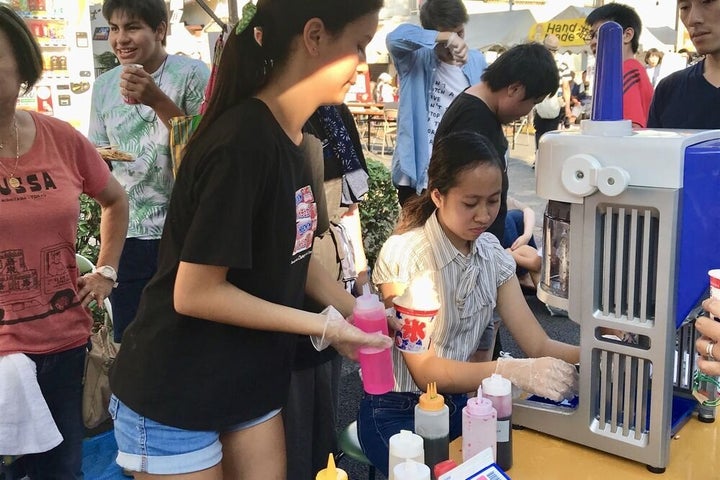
column 112, row 154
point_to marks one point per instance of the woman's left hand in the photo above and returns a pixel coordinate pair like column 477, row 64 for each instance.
column 706, row 345
column 93, row 286
column 520, row 241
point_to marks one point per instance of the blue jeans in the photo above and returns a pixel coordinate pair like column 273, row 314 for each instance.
column 60, row 378
column 382, row 416
column 138, row 264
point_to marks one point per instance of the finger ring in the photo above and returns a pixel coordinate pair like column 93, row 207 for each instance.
column 709, row 349
column 93, row 294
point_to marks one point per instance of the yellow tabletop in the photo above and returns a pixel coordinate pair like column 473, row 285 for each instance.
column 694, row 455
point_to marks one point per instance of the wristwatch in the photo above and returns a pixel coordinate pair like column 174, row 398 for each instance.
column 108, row 272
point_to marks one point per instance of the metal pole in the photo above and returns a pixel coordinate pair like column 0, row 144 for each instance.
column 233, row 12
column 210, row 12
column 510, row 5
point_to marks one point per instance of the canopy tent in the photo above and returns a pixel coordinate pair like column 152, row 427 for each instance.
column 569, row 26
column 665, row 35
column 483, row 30
column 506, row 29
column 376, row 51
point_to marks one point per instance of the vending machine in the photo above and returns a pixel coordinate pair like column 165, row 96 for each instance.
column 62, row 29
column 630, row 233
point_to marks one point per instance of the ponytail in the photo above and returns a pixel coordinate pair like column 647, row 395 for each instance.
column 415, row 212
column 243, row 70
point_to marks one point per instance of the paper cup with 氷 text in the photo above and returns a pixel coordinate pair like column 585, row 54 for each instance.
column 417, row 326
column 135, row 66
column 714, row 275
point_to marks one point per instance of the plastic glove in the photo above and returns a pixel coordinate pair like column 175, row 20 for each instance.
column 346, row 338
column 458, row 48
column 546, row 376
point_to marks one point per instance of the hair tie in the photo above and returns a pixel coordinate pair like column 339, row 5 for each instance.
column 248, row 12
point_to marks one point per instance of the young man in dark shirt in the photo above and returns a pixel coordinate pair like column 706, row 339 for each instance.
column 508, row 89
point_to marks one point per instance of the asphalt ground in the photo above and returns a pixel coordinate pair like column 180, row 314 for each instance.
column 522, row 187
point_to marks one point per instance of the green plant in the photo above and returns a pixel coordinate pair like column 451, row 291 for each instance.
column 379, row 210
column 105, row 61
column 87, row 243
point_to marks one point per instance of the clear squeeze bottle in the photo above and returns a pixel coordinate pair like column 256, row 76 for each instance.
column 375, row 363
column 432, row 423
column 479, row 426
column 498, row 390
column 401, row 447
column 410, row 470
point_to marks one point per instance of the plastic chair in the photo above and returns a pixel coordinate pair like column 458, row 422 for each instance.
column 389, row 128
column 349, row 446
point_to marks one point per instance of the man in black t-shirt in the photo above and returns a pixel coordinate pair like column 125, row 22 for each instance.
column 508, row 89
column 689, row 98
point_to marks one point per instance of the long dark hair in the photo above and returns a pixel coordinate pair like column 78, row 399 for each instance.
column 246, row 67
column 451, row 156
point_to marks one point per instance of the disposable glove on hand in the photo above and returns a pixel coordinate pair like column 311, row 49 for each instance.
column 458, row 48
column 546, row 376
column 346, row 338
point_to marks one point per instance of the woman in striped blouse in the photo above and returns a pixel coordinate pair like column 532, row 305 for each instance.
column 442, row 232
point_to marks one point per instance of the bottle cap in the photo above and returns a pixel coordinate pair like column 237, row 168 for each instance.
column 431, row 400
column 443, row 467
column 496, row 385
column 479, row 405
column 411, row 470
column 367, row 301
column 331, row 472
column 406, row 444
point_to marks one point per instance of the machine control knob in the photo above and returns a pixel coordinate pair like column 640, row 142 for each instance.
column 579, row 174
column 612, row 181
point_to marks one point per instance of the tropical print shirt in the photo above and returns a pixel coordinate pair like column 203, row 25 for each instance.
column 136, row 129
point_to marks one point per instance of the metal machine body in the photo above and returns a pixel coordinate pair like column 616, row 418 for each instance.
column 632, row 256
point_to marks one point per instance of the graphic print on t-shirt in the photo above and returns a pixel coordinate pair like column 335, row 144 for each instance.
column 449, row 81
column 28, row 294
column 305, row 219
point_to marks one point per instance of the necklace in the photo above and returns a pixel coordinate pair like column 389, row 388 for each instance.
column 13, row 181
column 2, row 142
column 159, row 82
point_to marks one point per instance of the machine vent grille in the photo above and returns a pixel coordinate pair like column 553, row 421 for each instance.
column 628, row 262
column 623, row 406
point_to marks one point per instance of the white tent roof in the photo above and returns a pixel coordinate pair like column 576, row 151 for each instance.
column 665, row 35
column 484, row 30
column 573, row 12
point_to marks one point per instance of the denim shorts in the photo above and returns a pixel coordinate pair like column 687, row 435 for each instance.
column 151, row 447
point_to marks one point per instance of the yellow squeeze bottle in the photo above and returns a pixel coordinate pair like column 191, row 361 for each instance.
column 331, row 473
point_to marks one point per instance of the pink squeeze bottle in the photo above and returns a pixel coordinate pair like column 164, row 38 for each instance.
column 375, row 363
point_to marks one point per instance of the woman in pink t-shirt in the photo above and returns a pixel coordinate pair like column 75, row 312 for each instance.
column 45, row 165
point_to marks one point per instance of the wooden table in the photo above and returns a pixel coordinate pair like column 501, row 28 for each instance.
column 694, row 455
column 367, row 112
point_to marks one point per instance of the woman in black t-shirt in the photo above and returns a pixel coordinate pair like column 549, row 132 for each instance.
column 204, row 367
